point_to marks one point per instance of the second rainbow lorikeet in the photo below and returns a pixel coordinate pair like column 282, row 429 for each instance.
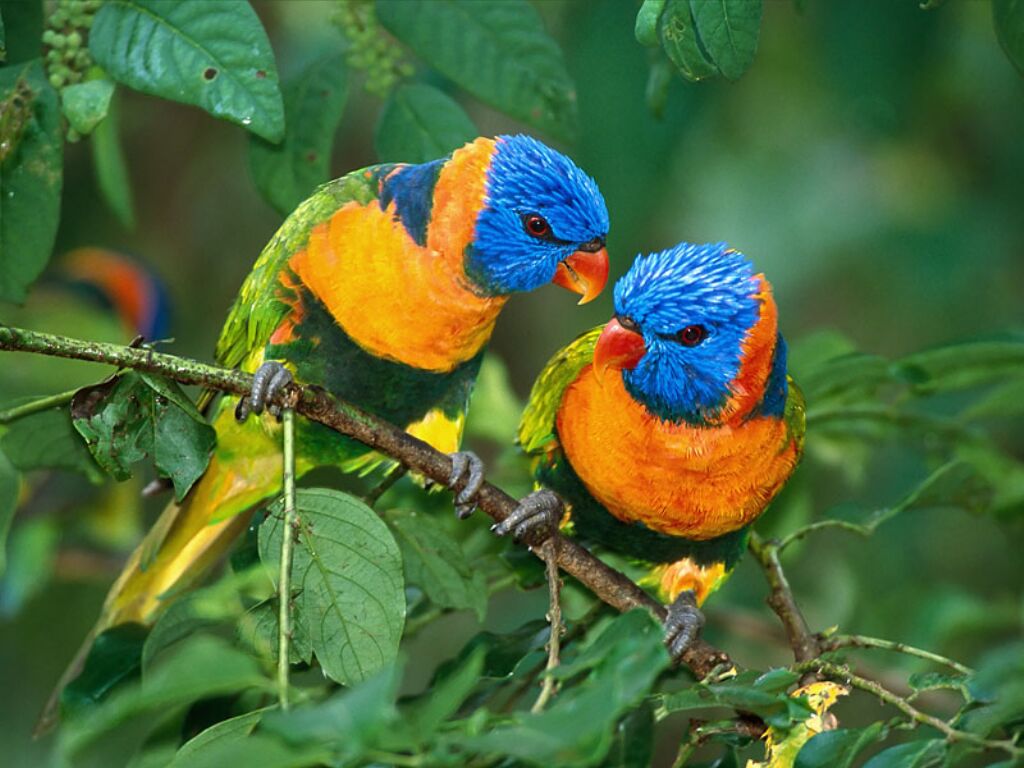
column 383, row 288
column 670, row 429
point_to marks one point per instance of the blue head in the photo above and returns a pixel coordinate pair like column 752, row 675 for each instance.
column 682, row 319
column 543, row 221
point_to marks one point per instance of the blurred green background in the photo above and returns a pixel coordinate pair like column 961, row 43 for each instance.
column 870, row 163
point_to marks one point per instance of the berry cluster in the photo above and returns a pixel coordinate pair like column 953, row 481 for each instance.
column 65, row 36
column 370, row 48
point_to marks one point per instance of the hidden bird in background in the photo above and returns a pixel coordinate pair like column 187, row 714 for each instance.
column 383, row 288
column 670, row 429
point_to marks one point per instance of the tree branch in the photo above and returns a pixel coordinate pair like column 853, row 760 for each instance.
column 803, row 642
column 835, row 642
column 609, row 585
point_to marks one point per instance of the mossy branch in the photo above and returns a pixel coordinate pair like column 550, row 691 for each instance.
column 314, row 403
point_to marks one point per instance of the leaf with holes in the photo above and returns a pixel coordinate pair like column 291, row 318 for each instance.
column 287, row 173
column 31, row 175
column 498, row 51
column 678, row 33
column 420, row 123
column 212, row 55
column 728, row 31
column 347, row 575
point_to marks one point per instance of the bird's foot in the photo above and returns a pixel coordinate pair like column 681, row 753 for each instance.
column 683, row 623
column 467, row 467
column 537, row 514
column 268, row 381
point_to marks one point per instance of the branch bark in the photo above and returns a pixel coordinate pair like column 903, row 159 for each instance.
column 314, row 403
column 804, row 643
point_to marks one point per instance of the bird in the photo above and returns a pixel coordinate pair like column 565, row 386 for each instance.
column 382, row 288
column 668, row 430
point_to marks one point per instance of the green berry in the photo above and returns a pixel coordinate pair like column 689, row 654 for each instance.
column 56, row 80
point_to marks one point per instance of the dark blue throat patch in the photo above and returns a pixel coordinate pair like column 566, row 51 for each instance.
column 412, row 190
column 777, row 388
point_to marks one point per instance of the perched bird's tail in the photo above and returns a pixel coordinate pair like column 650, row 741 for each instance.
column 188, row 538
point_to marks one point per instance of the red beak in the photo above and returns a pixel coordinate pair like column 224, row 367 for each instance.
column 585, row 272
column 617, row 347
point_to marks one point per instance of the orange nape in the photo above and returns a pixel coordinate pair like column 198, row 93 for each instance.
column 675, row 578
column 678, row 479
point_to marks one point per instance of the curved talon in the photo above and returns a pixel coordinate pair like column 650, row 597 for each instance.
column 466, row 466
column 268, row 381
column 683, row 623
column 540, row 513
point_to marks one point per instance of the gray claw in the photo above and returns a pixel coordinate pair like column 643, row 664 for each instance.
column 539, row 512
column 466, row 466
column 270, row 378
column 683, row 623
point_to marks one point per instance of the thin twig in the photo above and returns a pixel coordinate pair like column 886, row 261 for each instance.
column 547, row 690
column 284, row 589
column 835, row 642
column 35, row 406
column 842, row 674
column 385, row 485
column 609, row 585
column 803, row 642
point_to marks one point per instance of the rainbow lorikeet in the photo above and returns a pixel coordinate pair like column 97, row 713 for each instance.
column 383, row 288
column 670, row 429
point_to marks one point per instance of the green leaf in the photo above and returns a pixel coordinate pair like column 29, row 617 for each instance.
column 259, row 631
column 678, row 33
column 314, row 100
column 764, row 695
column 633, row 741
column 498, row 51
column 930, row 681
column 213, row 55
column 347, row 574
column 9, row 485
column 1008, row 17
column 444, row 697
column 913, row 754
column 201, row 667
column 728, row 31
column 3, row 38
column 496, row 408
column 47, row 440
column 133, row 415
column 23, row 30
column 111, row 168
column 31, row 174
column 838, row 748
column 255, row 750
column 623, row 658
column 86, row 104
column 217, row 739
column 435, row 562
column 115, row 656
column 961, row 366
column 32, row 550
column 646, row 28
column 420, row 123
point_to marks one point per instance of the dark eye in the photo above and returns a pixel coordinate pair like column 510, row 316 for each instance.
column 536, row 225
column 692, row 335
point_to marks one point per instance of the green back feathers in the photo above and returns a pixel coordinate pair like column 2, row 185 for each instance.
column 257, row 311
column 537, row 427
column 795, row 415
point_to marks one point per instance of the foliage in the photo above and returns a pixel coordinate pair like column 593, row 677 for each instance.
column 382, row 668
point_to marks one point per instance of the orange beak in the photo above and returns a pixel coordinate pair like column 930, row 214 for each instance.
column 585, row 272
column 617, row 347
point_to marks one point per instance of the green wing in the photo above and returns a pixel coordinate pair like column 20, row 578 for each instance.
column 537, row 427
column 258, row 311
column 795, row 415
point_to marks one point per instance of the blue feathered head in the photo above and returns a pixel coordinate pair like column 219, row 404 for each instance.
column 543, row 220
column 682, row 316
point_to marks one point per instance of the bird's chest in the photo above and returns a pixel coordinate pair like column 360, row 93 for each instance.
column 397, row 300
column 677, row 479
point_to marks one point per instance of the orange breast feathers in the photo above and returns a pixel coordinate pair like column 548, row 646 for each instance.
column 394, row 298
column 681, row 480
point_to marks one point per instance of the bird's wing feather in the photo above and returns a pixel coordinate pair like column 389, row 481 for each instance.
column 795, row 415
column 537, row 427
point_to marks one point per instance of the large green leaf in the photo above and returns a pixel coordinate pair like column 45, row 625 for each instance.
column 287, row 173
column 728, row 31
column 838, row 748
column 47, row 440
column 115, row 656
column 23, row 30
column 135, row 415
column 32, row 551
column 9, row 484
column 232, row 742
column 498, row 51
column 214, row 55
column 764, row 695
column 111, row 168
column 31, row 173
column 421, row 123
column 1008, row 17
column 678, row 33
column 435, row 563
column 913, row 754
column 347, row 574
